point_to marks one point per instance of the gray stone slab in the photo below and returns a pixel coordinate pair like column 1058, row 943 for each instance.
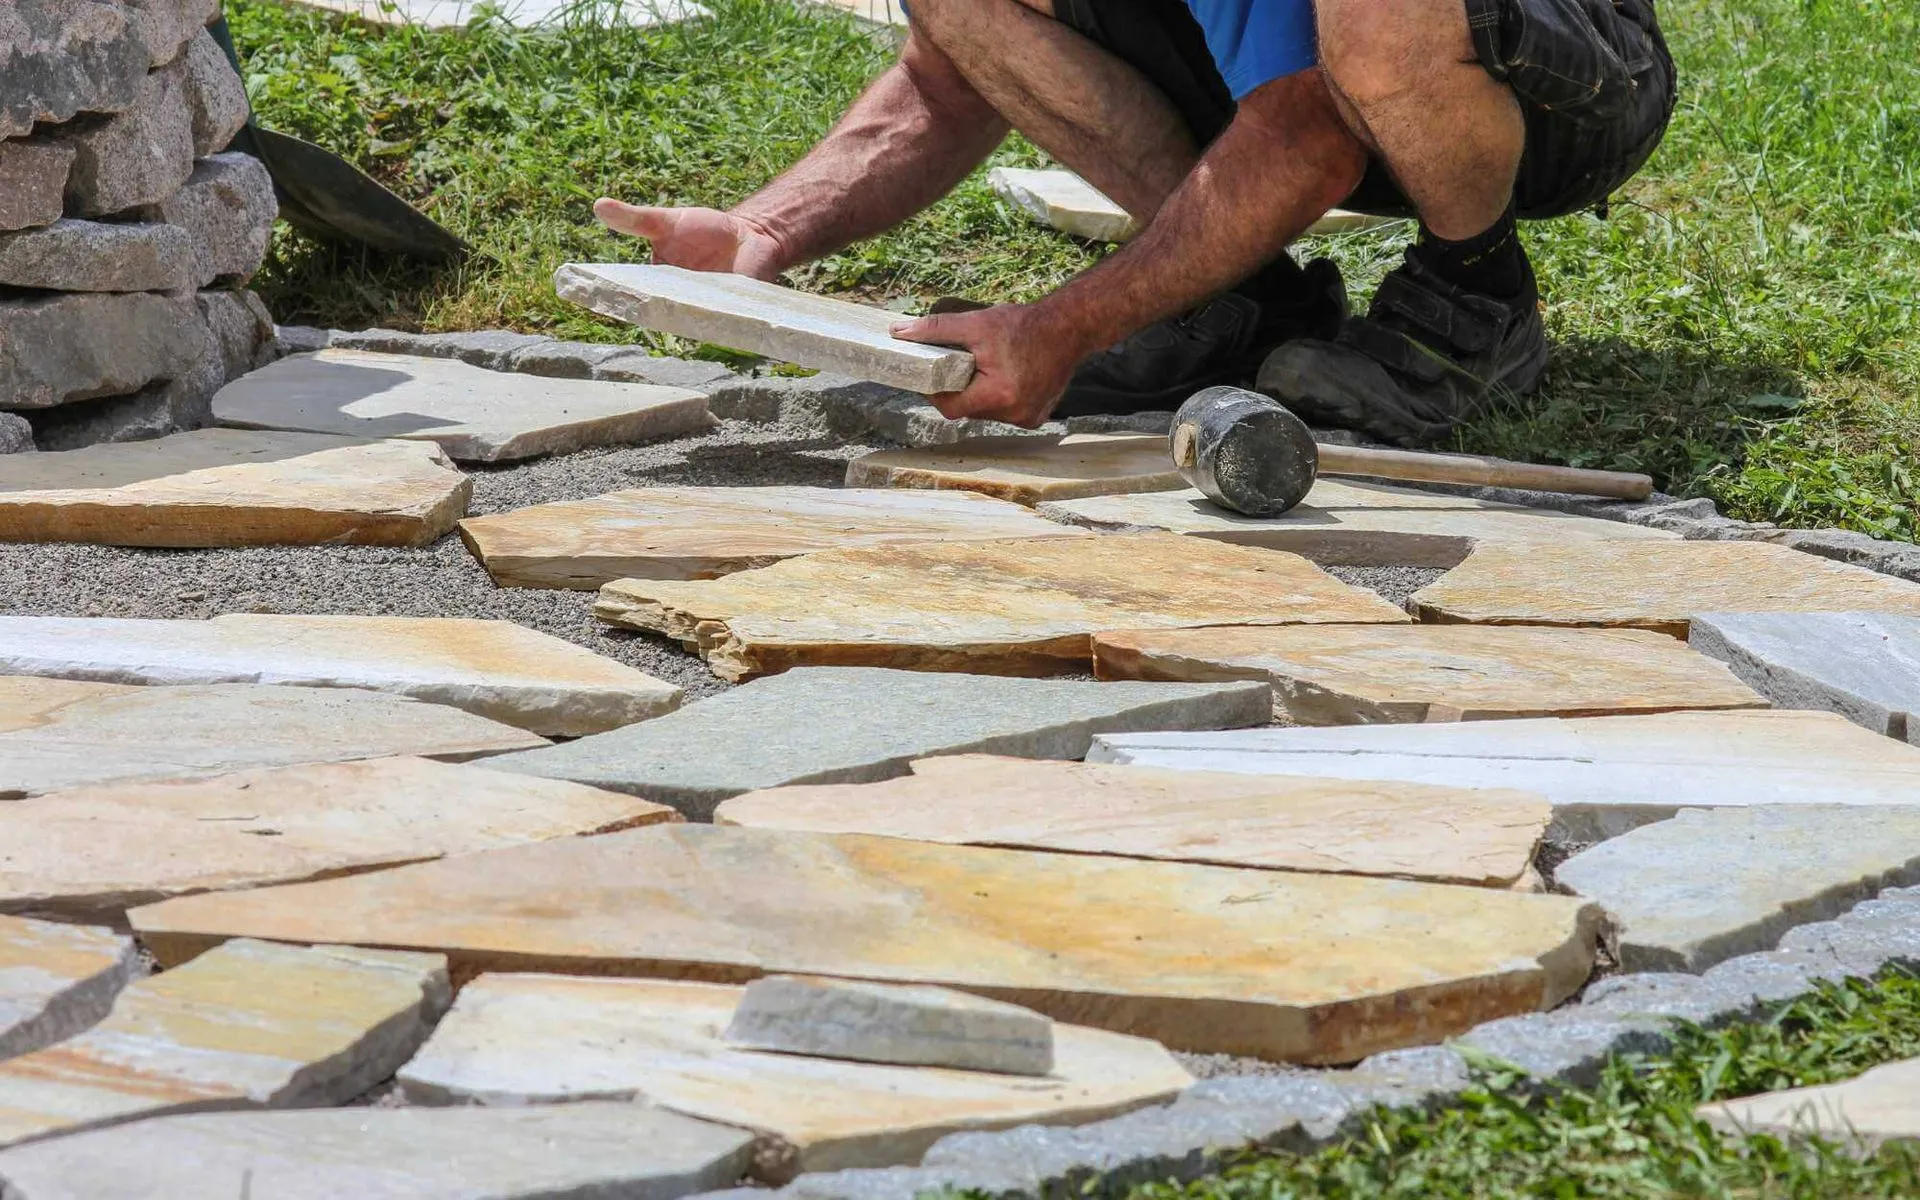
column 858, row 724
column 215, row 96
column 91, row 256
column 891, row 1023
column 33, row 182
column 1864, row 666
column 764, row 318
column 65, row 57
column 77, row 347
column 142, row 156
column 227, row 205
column 16, row 435
column 586, row 1151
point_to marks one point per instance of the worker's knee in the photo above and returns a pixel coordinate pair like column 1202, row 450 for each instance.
column 1372, row 51
column 937, row 18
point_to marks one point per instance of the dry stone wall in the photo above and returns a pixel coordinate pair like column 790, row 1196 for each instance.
column 127, row 235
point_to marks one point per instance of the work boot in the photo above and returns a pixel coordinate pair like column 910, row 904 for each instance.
column 1423, row 359
column 1222, row 341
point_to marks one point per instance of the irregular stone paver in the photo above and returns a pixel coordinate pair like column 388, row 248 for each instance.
column 1650, row 585
column 1322, row 968
column 495, row 669
column 231, row 487
column 474, row 415
column 523, row 14
column 1027, row 607
column 1860, row 1115
column 765, row 318
column 1603, row 775
column 1411, row 831
column 91, row 853
column 515, row 1039
column 1366, row 674
column 1026, row 469
column 1352, row 524
column 706, row 532
column 1064, row 201
column 1864, row 666
column 854, row 724
column 1710, row 884
column 56, row 980
column 557, row 1152
column 890, row 1023
column 57, row 733
column 246, row 1025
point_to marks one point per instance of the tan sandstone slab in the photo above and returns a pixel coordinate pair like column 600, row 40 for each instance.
column 1363, row 674
column 1860, row 1115
column 60, row 733
column 1320, row 968
column 91, row 853
column 246, row 1025
column 56, row 980
column 233, row 487
column 1348, row 523
column 494, row 669
column 1651, row 585
column 1028, row 470
column 473, row 414
column 1027, row 607
column 1482, row 837
column 707, row 532
column 518, row 1039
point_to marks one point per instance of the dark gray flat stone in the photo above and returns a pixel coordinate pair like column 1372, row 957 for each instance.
column 1864, row 666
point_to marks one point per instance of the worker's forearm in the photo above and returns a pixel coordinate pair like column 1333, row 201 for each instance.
column 910, row 137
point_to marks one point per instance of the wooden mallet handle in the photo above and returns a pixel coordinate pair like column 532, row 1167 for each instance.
column 1415, row 466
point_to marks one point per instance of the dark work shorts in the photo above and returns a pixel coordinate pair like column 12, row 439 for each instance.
column 1593, row 77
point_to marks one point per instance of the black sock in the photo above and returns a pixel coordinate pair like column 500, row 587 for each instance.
column 1491, row 263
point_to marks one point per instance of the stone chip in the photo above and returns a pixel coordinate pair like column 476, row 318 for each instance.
column 890, row 1023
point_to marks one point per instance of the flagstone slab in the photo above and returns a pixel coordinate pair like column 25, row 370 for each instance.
column 91, row 853
column 1028, row 469
column 1405, row 830
column 1709, row 884
column 1864, row 666
column 521, row 14
column 855, row 724
column 1318, row 968
column 555, row 1152
column 707, row 532
column 1603, row 775
column 1860, row 1115
column 246, row 1025
column 1025, row 607
column 1650, row 585
column 1062, row 200
column 233, row 487
column 1369, row 674
column 904, row 1025
column 1346, row 523
column 59, row 733
column 494, row 669
column 57, row 980
column 474, row 415
column 765, row 318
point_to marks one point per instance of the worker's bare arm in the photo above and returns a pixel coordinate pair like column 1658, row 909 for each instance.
column 910, row 137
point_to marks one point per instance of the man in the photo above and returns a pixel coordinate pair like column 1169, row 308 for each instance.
column 1226, row 128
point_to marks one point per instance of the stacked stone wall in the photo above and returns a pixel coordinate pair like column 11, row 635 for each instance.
column 126, row 235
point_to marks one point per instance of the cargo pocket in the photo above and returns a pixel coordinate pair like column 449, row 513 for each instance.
column 1579, row 58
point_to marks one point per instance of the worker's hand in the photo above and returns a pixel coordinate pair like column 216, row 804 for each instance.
column 1020, row 368
column 699, row 239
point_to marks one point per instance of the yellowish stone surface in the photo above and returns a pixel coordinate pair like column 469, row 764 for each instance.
column 1409, row 831
column 1861, row 1114
column 1025, row 607
column 90, row 853
column 234, row 487
column 549, row 1038
column 1317, row 968
column 1362, row 674
column 1651, row 585
column 707, row 532
column 1027, row 470
column 55, row 980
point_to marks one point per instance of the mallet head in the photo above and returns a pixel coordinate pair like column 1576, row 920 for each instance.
column 1244, row 451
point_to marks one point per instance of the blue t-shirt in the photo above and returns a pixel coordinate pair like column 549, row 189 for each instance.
column 1257, row 41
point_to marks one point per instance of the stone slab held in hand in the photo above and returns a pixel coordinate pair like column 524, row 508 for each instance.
column 1864, row 666
column 854, row 724
column 473, row 414
column 1369, row 674
column 765, row 318
column 1027, row 469
column 93, row 256
column 1603, row 775
column 1860, row 1116
column 234, row 487
column 707, row 532
column 246, row 1025
column 1315, row 968
column 555, row 1152
column 909, row 1026
column 56, row 981
column 1027, row 607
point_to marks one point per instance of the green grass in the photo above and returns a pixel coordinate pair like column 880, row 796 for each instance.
column 1633, row 1136
column 1742, row 327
